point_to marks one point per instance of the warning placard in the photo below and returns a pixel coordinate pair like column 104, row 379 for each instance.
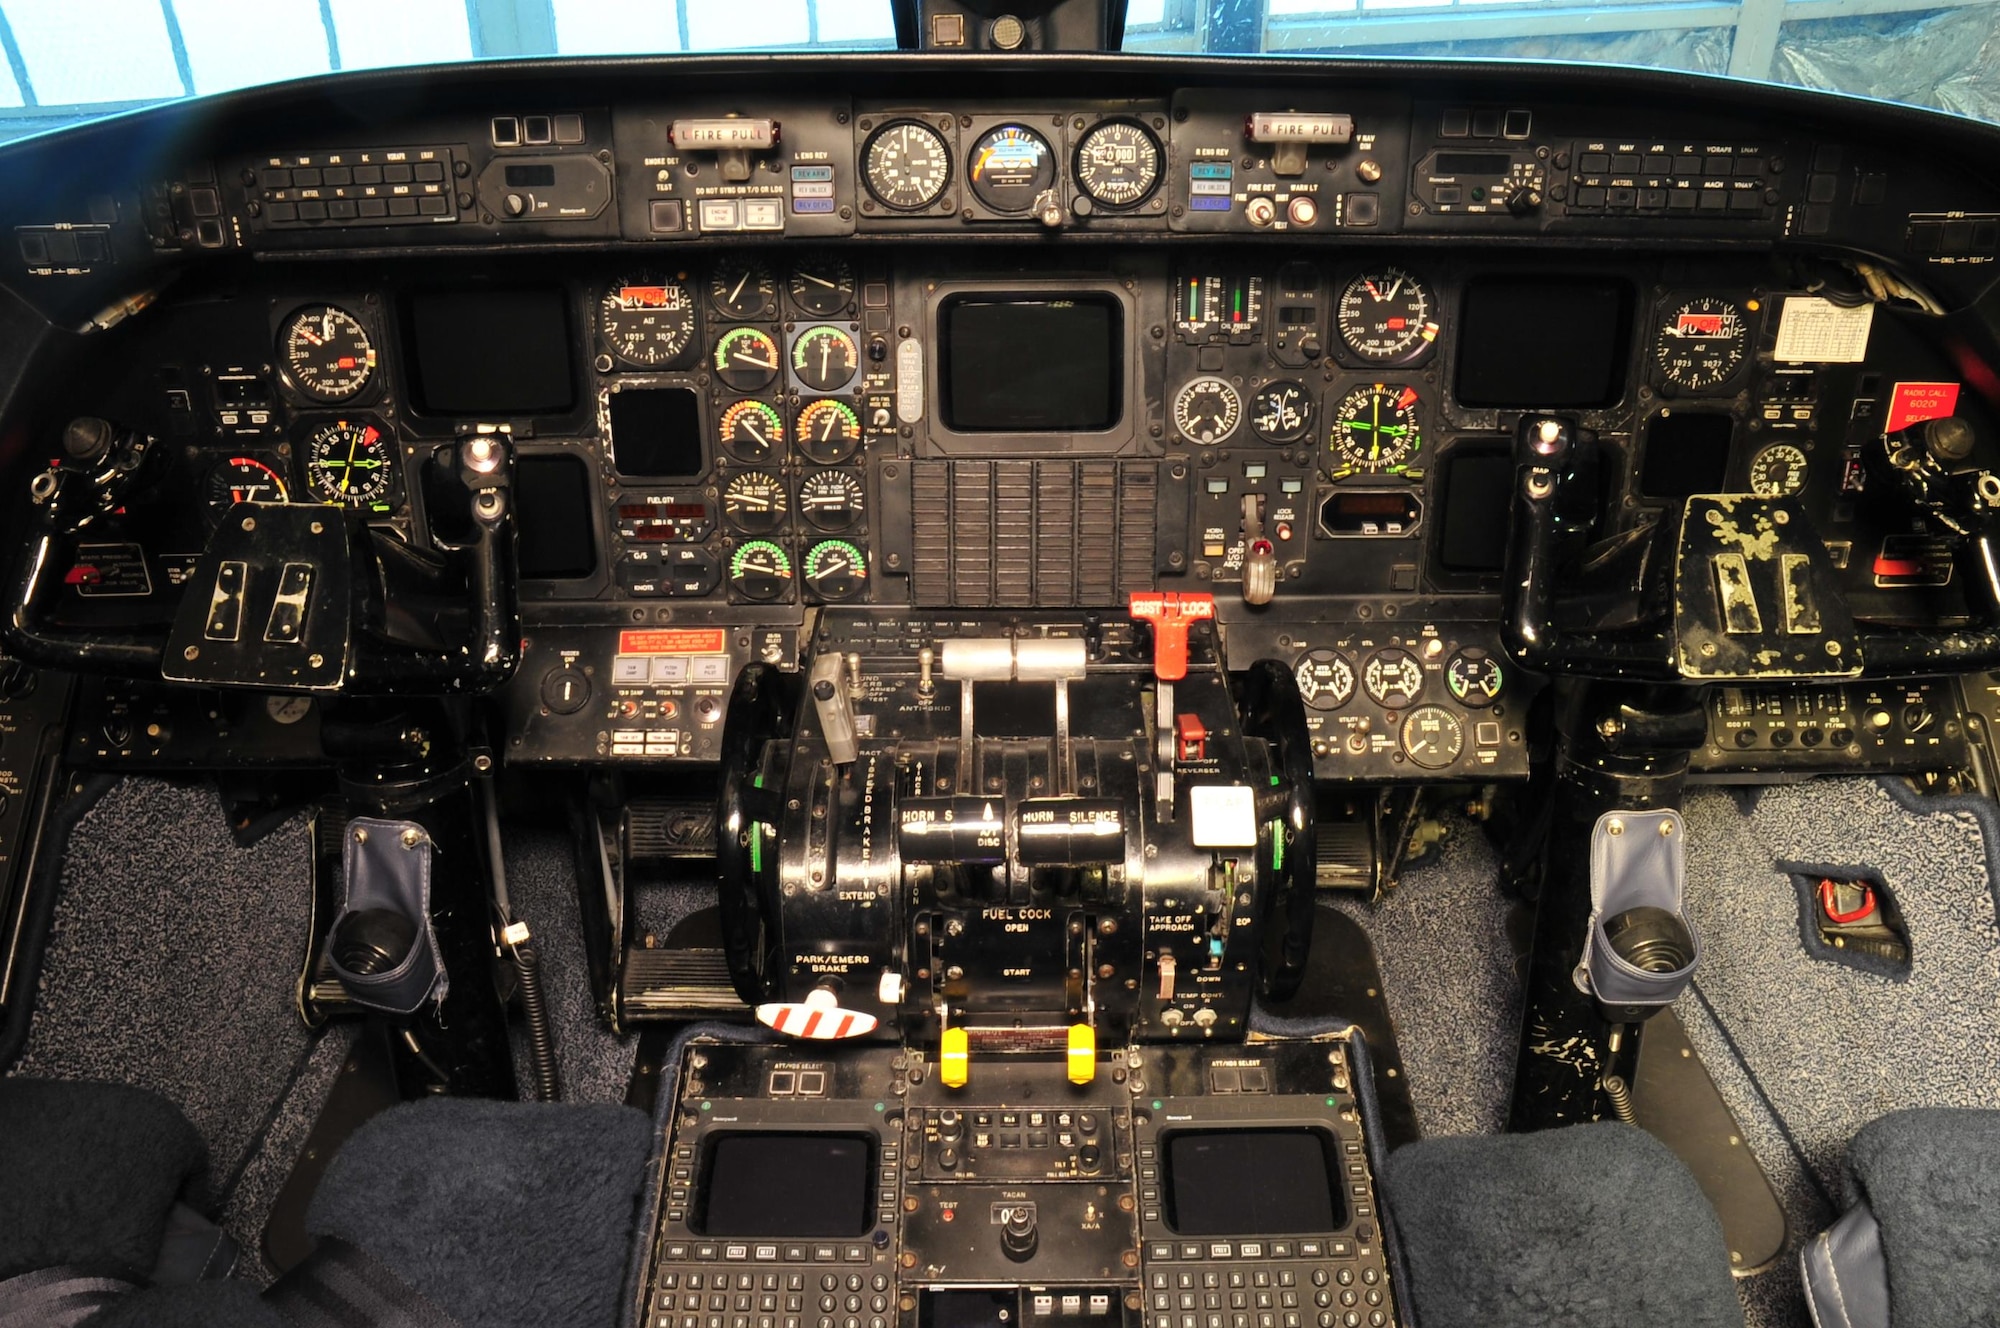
column 674, row 641
column 1913, row 403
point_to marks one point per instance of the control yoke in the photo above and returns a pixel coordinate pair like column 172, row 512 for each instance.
column 1741, row 587
column 286, row 597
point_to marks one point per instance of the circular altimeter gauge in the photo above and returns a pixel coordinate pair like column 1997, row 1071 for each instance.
column 1375, row 430
column 1779, row 471
column 1010, row 167
column 1118, row 164
column 244, row 479
column 327, row 353
column 1702, row 343
column 647, row 321
column 746, row 359
column 1207, row 409
column 348, row 462
column 1386, row 317
column 1281, row 412
column 906, row 165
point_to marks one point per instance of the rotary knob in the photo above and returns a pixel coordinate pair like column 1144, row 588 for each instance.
column 1019, row 1234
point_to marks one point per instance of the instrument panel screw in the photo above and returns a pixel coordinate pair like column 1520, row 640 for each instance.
column 410, row 838
column 360, row 834
column 1666, row 829
column 192, row 652
column 1615, row 828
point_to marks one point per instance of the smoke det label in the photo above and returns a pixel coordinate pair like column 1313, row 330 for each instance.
column 1913, row 403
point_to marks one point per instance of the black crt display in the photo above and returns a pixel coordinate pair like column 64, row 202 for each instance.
column 1031, row 365
column 552, row 505
column 1477, row 494
column 1546, row 343
column 802, row 1185
column 490, row 352
column 656, row 433
column 1251, row 1183
column 1687, row 452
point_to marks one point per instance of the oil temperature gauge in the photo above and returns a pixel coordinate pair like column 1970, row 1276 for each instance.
column 836, row 570
column 1207, row 409
column 754, row 502
column 348, row 462
column 829, row 431
column 753, row 431
column 831, row 500
column 1393, row 677
column 760, row 571
column 1779, row 471
column 1433, row 737
column 243, row 479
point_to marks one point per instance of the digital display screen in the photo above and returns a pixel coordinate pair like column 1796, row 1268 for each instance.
column 1687, row 452
column 552, row 516
column 1251, row 1183
column 656, row 433
column 756, row 1184
column 530, row 177
column 490, row 352
column 1478, row 496
column 1042, row 364
column 1544, row 342
column 1472, row 163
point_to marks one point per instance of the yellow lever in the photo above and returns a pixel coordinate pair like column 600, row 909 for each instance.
column 954, row 1057
column 1082, row 1053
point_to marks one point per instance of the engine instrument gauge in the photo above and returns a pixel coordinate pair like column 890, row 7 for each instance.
column 746, row 359
column 1281, row 412
column 1393, row 677
column 1212, row 306
column 1778, row 471
column 1118, row 163
column 327, row 354
column 1386, row 317
column 754, row 502
column 906, row 165
column 647, row 320
column 348, row 462
column 1473, row 677
column 1702, row 343
column 822, row 287
column 1326, row 679
column 1207, row 409
column 760, row 570
column 831, row 500
column 829, row 431
column 753, row 431
column 824, row 358
column 244, row 479
column 1375, row 430
column 739, row 288
column 1433, row 737
column 836, row 569
column 1009, row 168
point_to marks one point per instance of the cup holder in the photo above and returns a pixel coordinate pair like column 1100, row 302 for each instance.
column 1641, row 951
column 1651, row 940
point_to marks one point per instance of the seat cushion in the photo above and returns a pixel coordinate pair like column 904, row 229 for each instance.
column 502, row 1213
column 224, row 1304
column 1932, row 1177
column 1571, row 1228
column 88, row 1172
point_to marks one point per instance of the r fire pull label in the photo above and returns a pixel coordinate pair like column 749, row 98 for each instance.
column 1913, row 403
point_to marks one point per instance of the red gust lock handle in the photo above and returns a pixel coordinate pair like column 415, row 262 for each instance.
column 1170, row 612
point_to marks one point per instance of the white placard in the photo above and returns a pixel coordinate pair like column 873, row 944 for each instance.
column 1816, row 331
